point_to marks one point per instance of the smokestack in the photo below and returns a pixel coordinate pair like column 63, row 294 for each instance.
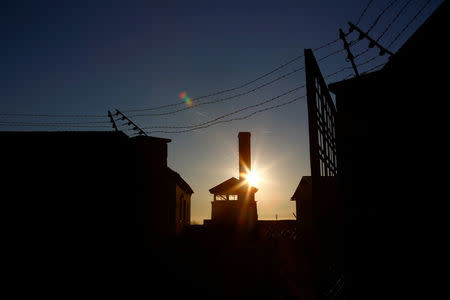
column 244, row 154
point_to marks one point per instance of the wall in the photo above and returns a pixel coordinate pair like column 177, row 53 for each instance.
column 391, row 126
column 242, row 212
column 153, row 187
column 66, row 195
column 182, row 209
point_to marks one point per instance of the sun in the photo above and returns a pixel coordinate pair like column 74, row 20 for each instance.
column 253, row 178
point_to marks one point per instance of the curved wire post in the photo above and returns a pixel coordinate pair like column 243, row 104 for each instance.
column 372, row 41
column 130, row 123
column 112, row 121
column 349, row 53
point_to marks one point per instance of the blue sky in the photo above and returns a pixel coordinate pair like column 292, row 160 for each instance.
column 85, row 57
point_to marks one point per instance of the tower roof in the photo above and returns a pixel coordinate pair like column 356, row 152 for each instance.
column 232, row 186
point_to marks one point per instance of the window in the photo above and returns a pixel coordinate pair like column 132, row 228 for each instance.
column 232, row 197
column 220, row 197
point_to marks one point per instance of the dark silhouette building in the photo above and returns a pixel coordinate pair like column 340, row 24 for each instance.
column 303, row 199
column 234, row 199
column 389, row 130
column 90, row 190
column 385, row 128
column 181, row 207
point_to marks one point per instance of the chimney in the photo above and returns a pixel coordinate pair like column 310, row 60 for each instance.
column 244, row 154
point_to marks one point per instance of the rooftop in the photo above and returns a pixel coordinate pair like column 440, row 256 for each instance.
column 175, row 177
column 231, row 186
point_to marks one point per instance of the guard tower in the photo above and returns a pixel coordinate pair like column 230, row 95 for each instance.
column 234, row 199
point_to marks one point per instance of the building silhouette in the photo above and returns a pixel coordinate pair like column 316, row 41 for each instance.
column 96, row 190
column 181, row 207
column 383, row 131
column 234, row 199
column 303, row 199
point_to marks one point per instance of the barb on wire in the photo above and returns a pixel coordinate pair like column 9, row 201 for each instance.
column 129, row 122
column 350, row 68
column 373, row 43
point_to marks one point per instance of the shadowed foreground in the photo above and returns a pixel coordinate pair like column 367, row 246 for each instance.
column 213, row 263
column 200, row 264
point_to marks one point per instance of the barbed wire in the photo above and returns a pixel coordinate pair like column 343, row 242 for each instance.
column 400, row 12
column 89, row 124
column 180, row 103
column 221, row 91
column 255, row 105
column 222, row 99
column 409, row 23
column 237, row 95
column 234, row 112
column 380, row 15
column 364, row 12
column 233, row 119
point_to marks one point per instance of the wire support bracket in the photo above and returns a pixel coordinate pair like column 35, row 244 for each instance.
column 350, row 56
column 372, row 43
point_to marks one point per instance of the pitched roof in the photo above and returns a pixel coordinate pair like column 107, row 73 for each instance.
column 305, row 181
column 329, row 184
column 176, row 178
column 230, row 186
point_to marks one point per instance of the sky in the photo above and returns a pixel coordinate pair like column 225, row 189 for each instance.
column 88, row 57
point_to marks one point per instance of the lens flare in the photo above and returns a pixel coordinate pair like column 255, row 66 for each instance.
column 253, row 178
column 186, row 99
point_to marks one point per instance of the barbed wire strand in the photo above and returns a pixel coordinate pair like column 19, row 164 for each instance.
column 409, row 23
column 400, row 12
column 233, row 119
column 222, row 99
column 364, row 12
column 258, row 104
column 237, row 95
column 234, row 88
column 234, row 112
